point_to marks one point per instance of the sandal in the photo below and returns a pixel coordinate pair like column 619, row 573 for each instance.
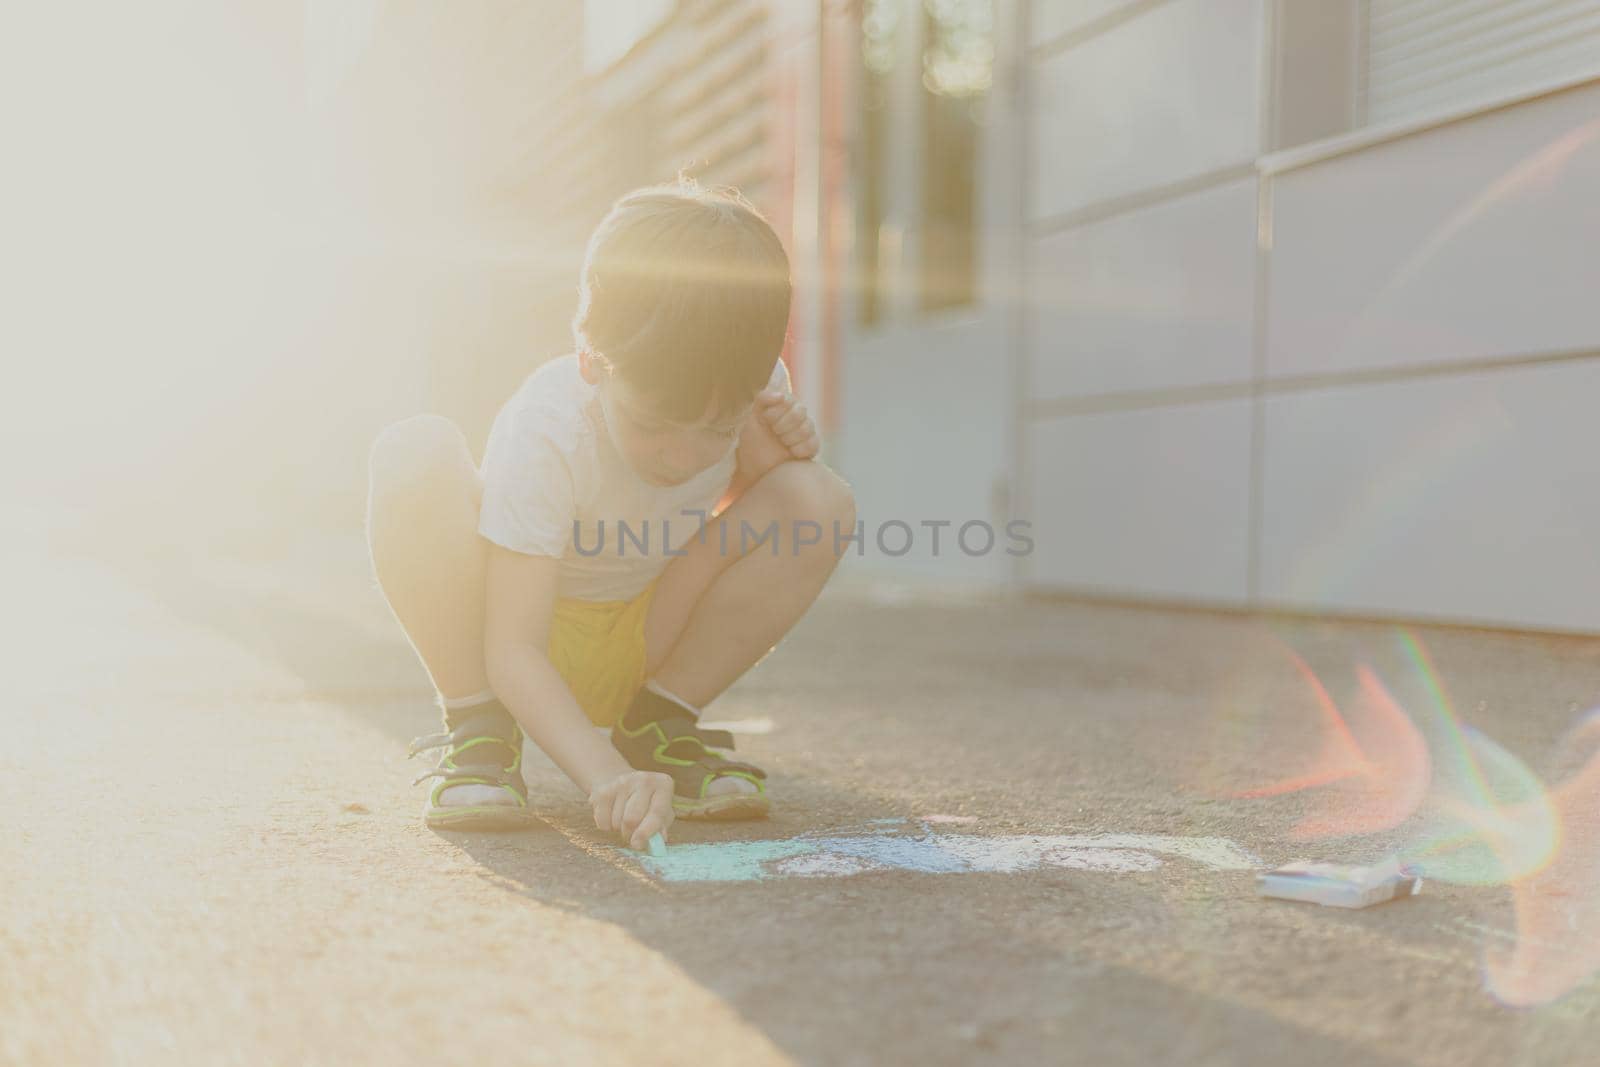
column 666, row 737
column 484, row 736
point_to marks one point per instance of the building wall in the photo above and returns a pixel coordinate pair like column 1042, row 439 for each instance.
column 1355, row 375
column 1141, row 259
column 927, row 398
column 1432, row 366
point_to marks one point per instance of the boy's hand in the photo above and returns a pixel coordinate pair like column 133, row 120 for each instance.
column 789, row 423
column 635, row 805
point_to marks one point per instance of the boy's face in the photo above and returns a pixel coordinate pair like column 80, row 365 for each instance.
column 660, row 451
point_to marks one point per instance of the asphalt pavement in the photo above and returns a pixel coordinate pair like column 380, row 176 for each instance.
column 1005, row 830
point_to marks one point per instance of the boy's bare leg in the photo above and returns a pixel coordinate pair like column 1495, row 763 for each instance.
column 422, row 530
column 715, row 614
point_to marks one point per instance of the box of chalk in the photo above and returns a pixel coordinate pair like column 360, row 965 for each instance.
column 1339, row 886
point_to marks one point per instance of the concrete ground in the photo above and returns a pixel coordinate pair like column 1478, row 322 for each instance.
column 212, row 851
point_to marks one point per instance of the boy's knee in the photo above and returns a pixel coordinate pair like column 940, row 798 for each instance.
column 816, row 492
column 416, row 451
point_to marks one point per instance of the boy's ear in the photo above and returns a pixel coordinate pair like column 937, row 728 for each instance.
column 591, row 366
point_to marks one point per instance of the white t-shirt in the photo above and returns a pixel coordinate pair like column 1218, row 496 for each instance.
column 550, row 462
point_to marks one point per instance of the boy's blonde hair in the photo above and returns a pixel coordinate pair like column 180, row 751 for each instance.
column 685, row 290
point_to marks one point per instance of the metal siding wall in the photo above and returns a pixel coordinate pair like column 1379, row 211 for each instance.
column 1432, row 364
column 1395, row 383
column 1464, row 498
column 924, row 408
column 1186, row 105
column 1472, row 241
column 1161, row 297
column 1152, row 502
column 1141, row 235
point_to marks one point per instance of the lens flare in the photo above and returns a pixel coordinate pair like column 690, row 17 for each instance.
column 1394, row 772
column 1558, row 906
column 1482, row 817
column 1475, row 814
column 1488, row 819
column 1368, row 763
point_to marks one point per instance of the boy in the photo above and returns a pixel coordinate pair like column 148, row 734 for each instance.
column 586, row 579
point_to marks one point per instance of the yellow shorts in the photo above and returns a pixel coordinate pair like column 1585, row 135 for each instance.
column 598, row 647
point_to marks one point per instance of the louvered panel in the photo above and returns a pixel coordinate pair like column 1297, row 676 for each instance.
column 1427, row 55
column 738, row 89
column 715, row 105
column 744, row 172
column 733, row 141
column 726, row 46
column 749, row 106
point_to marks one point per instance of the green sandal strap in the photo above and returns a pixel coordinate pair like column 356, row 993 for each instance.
column 675, row 745
column 476, row 774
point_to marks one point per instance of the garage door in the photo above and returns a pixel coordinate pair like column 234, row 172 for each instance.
column 1429, row 55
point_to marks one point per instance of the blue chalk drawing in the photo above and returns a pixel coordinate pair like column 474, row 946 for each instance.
column 925, row 852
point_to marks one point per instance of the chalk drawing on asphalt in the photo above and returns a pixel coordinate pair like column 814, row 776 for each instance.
column 924, row 850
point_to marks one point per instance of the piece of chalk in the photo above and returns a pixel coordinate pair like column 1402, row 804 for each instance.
column 1340, row 886
column 658, row 845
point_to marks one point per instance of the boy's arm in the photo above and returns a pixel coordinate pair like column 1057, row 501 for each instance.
column 520, row 596
column 758, row 452
column 760, row 445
